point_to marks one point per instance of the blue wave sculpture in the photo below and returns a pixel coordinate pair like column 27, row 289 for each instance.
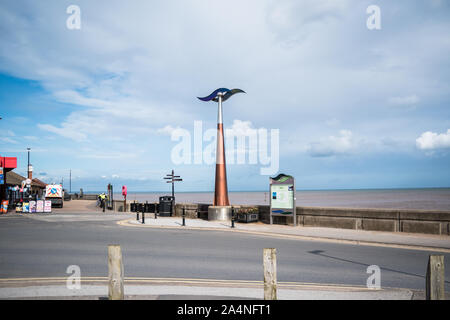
column 214, row 95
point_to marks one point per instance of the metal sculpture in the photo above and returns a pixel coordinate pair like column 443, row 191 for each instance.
column 221, row 190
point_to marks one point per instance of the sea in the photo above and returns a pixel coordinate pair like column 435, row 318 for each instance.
column 427, row 199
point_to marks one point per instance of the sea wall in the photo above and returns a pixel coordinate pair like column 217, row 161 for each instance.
column 391, row 220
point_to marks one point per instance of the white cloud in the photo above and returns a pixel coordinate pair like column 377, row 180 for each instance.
column 167, row 130
column 34, row 138
column 240, row 128
column 404, row 101
column 332, row 122
column 7, row 140
column 9, row 137
column 67, row 131
column 432, row 141
column 344, row 143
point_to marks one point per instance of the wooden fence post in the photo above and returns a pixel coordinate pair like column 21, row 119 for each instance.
column 270, row 274
column 435, row 289
column 115, row 273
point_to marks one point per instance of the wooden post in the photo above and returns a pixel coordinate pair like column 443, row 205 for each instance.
column 435, row 278
column 270, row 274
column 115, row 273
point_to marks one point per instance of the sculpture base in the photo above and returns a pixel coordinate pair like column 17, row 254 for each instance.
column 219, row 213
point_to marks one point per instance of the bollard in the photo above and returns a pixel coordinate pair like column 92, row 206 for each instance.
column 270, row 274
column 137, row 215
column 435, row 278
column 232, row 217
column 143, row 211
column 115, row 273
column 156, row 211
column 184, row 223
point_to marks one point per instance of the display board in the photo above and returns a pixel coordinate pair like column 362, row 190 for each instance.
column 47, row 206
column 282, row 197
column 32, row 208
column 40, row 206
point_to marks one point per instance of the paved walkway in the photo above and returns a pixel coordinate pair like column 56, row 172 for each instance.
column 175, row 292
column 440, row 243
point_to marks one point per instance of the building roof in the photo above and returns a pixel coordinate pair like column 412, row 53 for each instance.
column 14, row 179
column 38, row 183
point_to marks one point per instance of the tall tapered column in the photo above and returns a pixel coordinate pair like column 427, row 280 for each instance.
column 221, row 188
column 221, row 209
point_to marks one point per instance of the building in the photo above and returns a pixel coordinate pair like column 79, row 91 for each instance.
column 11, row 183
column 14, row 179
column 7, row 164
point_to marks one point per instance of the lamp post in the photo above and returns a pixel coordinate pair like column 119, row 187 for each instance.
column 221, row 209
column 29, row 168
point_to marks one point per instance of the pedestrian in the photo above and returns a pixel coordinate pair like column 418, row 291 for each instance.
column 103, row 201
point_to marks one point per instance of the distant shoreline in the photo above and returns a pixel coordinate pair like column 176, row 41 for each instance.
column 417, row 198
column 297, row 190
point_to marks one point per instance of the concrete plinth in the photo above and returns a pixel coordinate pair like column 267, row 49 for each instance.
column 219, row 213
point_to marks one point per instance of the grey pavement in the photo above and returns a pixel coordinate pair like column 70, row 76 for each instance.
column 422, row 241
column 195, row 292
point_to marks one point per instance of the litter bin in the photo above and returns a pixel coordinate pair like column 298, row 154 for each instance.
column 165, row 206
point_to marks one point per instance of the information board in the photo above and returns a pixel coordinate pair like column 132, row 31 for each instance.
column 282, row 197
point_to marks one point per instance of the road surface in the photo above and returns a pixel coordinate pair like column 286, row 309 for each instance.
column 44, row 246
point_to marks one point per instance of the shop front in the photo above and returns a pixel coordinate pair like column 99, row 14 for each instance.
column 7, row 164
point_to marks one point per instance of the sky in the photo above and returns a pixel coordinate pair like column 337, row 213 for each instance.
column 350, row 106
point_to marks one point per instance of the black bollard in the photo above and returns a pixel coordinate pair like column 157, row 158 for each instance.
column 184, row 223
column 144, row 207
column 232, row 217
column 137, row 215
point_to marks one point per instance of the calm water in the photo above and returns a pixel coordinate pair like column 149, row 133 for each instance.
column 433, row 199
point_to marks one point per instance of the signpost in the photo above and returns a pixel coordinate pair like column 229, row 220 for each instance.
column 282, row 197
column 172, row 178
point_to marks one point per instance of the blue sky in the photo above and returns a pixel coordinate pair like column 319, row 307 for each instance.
column 355, row 108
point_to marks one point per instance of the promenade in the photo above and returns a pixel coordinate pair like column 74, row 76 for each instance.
column 440, row 243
